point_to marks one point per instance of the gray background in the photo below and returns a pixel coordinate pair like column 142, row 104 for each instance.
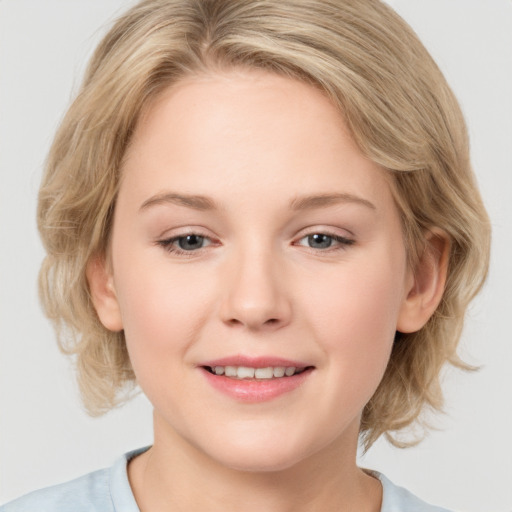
column 45, row 437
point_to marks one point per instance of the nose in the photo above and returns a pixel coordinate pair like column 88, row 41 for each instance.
column 255, row 292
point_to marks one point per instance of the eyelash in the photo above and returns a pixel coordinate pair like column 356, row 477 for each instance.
column 342, row 241
column 168, row 243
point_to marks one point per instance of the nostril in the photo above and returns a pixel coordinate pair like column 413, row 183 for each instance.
column 271, row 322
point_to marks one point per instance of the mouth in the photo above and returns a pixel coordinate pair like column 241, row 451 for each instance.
column 247, row 372
column 252, row 380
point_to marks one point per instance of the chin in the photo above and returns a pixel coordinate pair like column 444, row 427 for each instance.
column 261, row 462
column 259, row 454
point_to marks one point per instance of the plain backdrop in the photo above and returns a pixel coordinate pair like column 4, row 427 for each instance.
column 45, row 437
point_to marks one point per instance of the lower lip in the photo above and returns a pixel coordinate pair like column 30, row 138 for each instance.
column 252, row 391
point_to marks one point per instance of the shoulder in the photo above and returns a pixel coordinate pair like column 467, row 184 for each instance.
column 106, row 490
column 398, row 499
column 87, row 493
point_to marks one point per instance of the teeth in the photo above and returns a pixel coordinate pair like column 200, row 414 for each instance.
column 264, row 373
column 230, row 371
column 279, row 371
column 245, row 372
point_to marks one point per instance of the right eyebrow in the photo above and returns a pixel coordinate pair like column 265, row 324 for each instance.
column 195, row 202
column 325, row 200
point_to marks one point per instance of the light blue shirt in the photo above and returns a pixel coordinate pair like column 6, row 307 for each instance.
column 108, row 490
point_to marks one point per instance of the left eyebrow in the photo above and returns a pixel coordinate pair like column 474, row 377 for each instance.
column 323, row 200
column 195, row 202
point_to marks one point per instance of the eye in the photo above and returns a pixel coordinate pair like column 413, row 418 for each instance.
column 183, row 244
column 319, row 241
column 191, row 242
column 324, row 241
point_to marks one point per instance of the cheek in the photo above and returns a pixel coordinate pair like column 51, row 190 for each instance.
column 356, row 322
column 162, row 311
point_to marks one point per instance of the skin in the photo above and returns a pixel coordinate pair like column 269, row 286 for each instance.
column 253, row 143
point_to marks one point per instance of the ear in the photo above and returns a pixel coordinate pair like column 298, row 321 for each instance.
column 426, row 283
column 103, row 294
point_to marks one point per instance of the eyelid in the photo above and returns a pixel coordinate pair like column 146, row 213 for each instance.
column 326, row 230
column 184, row 230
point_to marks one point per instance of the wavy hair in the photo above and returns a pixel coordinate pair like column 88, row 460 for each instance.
column 399, row 110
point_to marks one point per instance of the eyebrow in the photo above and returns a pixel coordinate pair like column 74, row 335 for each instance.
column 203, row 203
column 323, row 200
column 195, row 202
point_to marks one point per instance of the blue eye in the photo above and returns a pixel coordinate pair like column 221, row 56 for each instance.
column 185, row 244
column 320, row 241
column 190, row 242
column 325, row 241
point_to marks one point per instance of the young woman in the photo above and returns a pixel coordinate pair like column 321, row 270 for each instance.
column 263, row 213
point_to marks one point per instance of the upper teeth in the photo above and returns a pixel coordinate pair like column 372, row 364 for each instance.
column 245, row 372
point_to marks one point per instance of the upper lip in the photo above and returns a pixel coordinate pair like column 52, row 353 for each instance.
column 255, row 362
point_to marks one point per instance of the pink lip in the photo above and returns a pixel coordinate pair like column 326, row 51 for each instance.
column 253, row 390
column 254, row 362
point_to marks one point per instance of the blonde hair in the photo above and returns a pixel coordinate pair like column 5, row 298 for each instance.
column 392, row 96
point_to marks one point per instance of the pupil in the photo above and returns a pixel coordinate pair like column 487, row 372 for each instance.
column 320, row 241
column 190, row 242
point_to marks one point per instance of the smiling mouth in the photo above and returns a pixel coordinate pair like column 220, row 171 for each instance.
column 246, row 372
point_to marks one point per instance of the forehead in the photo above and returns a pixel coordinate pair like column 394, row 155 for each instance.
column 253, row 130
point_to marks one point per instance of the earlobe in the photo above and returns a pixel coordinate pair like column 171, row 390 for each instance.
column 426, row 283
column 103, row 294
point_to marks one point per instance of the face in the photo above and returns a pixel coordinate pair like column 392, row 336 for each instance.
column 252, row 238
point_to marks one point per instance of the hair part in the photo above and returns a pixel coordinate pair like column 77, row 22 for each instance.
column 392, row 96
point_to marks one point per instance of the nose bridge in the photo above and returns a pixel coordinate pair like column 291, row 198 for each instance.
column 255, row 293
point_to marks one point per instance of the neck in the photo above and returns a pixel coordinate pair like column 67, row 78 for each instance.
column 174, row 475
